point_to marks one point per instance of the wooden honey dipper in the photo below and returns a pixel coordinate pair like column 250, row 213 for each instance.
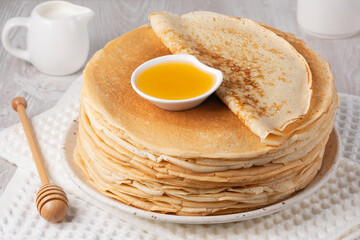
column 51, row 200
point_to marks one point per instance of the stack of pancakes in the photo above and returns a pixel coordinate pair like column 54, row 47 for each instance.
column 202, row 161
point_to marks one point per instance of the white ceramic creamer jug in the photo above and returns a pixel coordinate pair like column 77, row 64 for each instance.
column 57, row 37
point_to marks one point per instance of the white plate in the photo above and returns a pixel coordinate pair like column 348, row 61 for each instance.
column 331, row 159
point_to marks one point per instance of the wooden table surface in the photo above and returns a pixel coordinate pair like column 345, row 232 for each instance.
column 114, row 18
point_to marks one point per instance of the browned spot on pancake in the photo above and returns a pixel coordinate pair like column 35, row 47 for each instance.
column 243, row 78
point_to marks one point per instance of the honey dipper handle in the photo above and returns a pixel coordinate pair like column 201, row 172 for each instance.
column 19, row 104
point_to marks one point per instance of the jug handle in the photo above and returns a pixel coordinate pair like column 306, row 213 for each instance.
column 11, row 23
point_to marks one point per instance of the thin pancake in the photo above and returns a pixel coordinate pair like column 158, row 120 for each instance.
column 210, row 130
column 267, row 83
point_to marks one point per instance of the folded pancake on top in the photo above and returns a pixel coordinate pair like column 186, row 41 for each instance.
column 267, row 83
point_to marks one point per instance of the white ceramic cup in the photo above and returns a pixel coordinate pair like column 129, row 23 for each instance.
column 329, row 18
column 57, row 37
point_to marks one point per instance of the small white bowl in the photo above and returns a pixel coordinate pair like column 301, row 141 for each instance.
column 177, row 105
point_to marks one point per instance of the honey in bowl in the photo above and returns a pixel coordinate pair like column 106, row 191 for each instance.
column 174, row 81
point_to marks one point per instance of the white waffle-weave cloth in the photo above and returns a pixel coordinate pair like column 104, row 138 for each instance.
column 332, row 212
